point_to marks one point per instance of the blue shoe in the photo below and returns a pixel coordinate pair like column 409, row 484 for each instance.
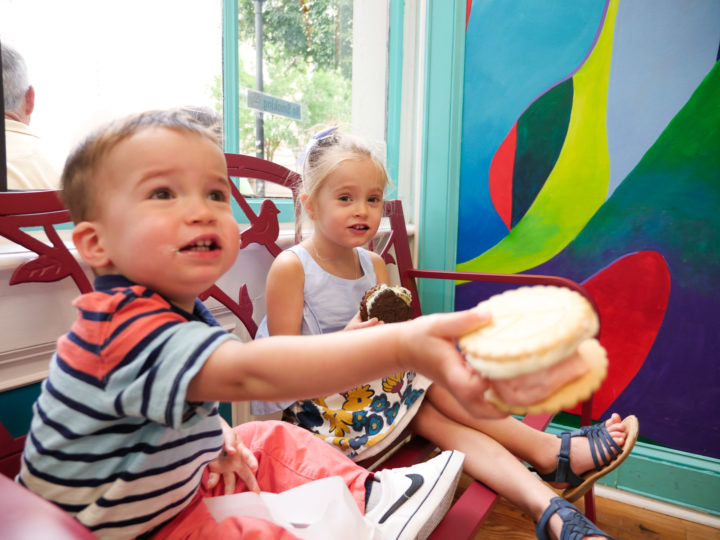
column 606, row 455
column 575, row 524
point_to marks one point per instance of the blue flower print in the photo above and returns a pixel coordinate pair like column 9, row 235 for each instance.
column 374, row 424
column 310, row 415
column 359, row 419
column 357, row 442
column 410, row 396
column 379, row 403
column 391, row 413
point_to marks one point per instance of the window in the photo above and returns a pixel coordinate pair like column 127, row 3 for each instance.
column 91, row 61
column 114, row 60
column 310, row 77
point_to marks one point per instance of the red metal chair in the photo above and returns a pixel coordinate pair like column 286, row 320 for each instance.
column 25, row 515
column 43, row 209
column 54, row 261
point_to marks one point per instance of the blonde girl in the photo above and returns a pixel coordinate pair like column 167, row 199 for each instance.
column 316, row 286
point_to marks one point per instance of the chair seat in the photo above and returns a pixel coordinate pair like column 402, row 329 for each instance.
column 25, row 515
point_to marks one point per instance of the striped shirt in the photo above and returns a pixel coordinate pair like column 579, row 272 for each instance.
column 113, row 440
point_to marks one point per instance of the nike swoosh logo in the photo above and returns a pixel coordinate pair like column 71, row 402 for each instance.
column 416, row 482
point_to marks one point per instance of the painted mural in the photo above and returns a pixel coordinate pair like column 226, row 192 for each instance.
column 591, row 150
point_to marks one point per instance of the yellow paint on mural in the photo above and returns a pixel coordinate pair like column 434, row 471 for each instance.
column 577, row 185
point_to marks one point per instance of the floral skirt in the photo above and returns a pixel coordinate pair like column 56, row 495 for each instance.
column 365, row 420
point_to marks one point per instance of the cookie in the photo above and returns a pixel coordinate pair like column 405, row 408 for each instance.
column 531, row 328
column 388, row 304
column 569, row 394
column 534, row 333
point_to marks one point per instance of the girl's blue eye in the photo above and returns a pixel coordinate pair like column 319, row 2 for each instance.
column 161, row 193
column 344, row 198
column 375, row 199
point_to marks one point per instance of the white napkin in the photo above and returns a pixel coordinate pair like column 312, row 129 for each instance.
column 319, row 510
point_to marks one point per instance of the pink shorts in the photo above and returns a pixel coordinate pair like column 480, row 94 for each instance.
column 288, row 456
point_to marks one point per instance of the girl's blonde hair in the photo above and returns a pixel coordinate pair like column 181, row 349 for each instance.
column 325, row 152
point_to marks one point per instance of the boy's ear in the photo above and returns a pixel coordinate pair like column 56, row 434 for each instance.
column 307, row 205
column 88, row 241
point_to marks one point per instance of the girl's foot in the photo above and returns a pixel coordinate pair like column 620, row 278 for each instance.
column 563, row 520
column 586, row 454
column 581, row 460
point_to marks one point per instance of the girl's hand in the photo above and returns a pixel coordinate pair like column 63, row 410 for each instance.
column 356, row 322
column 235, row 458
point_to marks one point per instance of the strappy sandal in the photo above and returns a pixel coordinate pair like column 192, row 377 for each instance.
column 575, row 524
column 601, row 445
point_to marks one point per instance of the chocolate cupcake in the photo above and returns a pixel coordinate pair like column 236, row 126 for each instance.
column 388, row 304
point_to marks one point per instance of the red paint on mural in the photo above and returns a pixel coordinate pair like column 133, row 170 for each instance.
column 500, row 180
column 631, row 296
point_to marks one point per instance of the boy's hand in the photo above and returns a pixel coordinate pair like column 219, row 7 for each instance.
column 235, row 458
column 430, row 346
column 357, row 323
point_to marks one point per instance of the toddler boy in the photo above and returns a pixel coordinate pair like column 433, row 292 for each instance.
column 127, row 420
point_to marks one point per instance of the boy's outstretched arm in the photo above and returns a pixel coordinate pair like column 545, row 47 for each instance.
column 303, row 367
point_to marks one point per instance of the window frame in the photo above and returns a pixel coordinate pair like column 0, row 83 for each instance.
column 424, row 70
column 369, row 87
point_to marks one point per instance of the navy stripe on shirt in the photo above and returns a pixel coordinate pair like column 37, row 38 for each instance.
column 122, row 475
column 192, row 359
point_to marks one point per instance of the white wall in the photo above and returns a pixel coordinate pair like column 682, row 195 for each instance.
column 93, row 60
column 370, row 60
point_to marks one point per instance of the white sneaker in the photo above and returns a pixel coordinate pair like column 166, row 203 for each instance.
column 414, row 499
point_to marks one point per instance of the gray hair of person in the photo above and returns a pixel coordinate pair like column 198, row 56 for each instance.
column 15, row 79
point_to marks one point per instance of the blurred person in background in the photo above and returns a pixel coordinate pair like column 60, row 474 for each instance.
column 28, row 168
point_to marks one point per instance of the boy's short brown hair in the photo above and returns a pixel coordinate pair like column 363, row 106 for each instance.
column 78, row 191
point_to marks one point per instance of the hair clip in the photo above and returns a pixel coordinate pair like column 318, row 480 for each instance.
column 324, row 133
column 312, row 142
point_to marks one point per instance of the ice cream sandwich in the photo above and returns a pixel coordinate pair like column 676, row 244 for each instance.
column 388, row 304
column 538, row 349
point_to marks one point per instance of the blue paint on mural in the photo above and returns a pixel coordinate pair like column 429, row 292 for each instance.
column 515, row 50
column 660, row 55
column 664, row 131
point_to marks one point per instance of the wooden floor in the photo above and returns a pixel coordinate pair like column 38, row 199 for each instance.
column 624, row 522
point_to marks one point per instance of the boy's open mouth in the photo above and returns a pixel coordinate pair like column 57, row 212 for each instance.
column 201, row 245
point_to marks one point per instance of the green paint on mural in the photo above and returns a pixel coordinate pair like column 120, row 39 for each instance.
column 669, row 201
column 577, row 185
column 541, row 132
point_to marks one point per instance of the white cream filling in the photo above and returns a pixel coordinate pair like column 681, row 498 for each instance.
column 402, row 292
column 532, row 362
